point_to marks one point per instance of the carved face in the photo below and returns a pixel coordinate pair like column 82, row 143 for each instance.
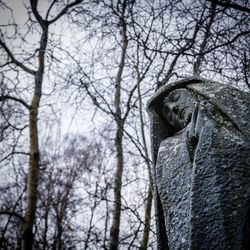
column 178, row 107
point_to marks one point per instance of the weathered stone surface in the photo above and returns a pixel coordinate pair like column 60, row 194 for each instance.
column 201, row 165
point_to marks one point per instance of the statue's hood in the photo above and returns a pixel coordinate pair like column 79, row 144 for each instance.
column 232, row 102
column 162, row 92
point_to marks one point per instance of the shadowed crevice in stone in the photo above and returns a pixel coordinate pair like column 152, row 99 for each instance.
column 246, row 232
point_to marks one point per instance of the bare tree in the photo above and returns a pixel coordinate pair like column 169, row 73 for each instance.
column 37, row 73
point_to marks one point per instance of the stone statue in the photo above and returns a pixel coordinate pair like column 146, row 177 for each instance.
column 201, row 152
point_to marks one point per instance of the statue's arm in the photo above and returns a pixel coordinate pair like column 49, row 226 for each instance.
column 192, row 135
column 200, row 116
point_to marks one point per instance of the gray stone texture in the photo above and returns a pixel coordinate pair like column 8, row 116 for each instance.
column 202, row 172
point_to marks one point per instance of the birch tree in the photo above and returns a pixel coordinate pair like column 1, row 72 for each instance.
column 33, row 64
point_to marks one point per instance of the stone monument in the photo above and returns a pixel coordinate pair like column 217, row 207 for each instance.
column 200, row 133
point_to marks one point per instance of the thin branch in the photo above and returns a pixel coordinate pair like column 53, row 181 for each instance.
column 128, row 102
column 246, row 69
column 64, row 11
column 12, row 153
column 7, row 97
column 136, row 143
column 200, row 58
column 94, row 99
column 12, row 214
column 33, row 4
column 227, row 43
column 229, row 5
column 49, row 9
column 14, row 60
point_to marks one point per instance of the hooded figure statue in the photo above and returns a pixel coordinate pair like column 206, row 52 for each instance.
column 200, row 135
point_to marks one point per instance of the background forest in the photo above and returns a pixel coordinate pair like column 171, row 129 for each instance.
column 75, row 77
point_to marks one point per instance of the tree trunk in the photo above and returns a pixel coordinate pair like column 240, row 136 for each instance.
column 33, row 173
column 115, row 228
column 200, row 58
column 147, row 215
column 147, row 218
